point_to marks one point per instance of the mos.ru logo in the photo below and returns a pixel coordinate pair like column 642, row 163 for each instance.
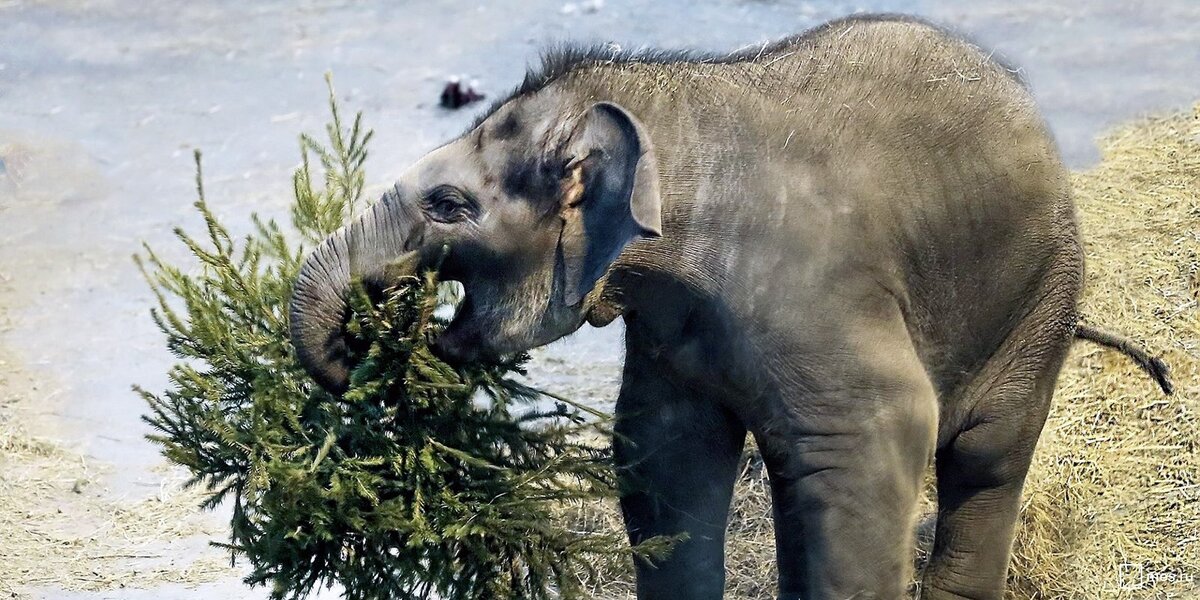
column 1135, row 576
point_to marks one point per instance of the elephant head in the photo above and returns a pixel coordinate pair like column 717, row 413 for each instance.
column 527, row 210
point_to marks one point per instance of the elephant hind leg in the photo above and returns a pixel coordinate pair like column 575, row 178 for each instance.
column 981, row 467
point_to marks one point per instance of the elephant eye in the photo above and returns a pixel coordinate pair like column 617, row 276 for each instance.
column 447, row 204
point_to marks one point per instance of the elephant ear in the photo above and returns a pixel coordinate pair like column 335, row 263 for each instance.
column 609, row 196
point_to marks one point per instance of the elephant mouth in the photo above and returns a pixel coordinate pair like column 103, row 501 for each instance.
column 451, row 296
column 465, row 337
column 459, row 341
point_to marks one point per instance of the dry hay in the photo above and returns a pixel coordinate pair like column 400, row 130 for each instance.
column 60, row 530
column 1112, row 504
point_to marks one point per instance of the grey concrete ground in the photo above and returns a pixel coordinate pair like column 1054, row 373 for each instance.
column 102, row 102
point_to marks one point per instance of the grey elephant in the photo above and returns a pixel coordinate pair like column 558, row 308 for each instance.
column 857, row 244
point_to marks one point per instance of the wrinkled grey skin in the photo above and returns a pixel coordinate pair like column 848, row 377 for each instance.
column 857, row 245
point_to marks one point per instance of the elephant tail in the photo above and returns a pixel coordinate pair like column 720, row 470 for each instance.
column 1152, row 365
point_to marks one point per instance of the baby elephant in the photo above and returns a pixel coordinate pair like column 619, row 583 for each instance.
column 857, row 244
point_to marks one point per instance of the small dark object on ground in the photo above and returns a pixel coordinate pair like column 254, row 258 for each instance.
column 456, row 94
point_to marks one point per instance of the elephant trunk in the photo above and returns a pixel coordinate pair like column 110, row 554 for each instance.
column 366, row 249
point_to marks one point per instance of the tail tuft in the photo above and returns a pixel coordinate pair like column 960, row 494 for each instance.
column 1154, row 366
column 1162, row 374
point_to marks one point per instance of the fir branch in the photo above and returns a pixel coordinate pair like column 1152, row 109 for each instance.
column 404, row 487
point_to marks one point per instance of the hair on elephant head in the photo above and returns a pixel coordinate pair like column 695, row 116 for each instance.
column 534, row 204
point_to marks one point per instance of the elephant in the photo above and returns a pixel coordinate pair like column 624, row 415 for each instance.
column 856, row 244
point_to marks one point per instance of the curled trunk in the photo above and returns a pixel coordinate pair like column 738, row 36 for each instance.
column 319, row 307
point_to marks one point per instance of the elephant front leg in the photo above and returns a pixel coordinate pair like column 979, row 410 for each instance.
column 845, row 489
column 677, row 453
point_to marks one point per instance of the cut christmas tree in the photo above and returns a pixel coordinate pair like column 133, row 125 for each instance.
column 424, row 480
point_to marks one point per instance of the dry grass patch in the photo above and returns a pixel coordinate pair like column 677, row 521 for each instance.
column 60, row 530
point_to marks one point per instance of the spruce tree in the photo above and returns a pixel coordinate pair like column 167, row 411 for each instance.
column 424, row 480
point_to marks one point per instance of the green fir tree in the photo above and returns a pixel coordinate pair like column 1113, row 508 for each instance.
column 423, row 481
